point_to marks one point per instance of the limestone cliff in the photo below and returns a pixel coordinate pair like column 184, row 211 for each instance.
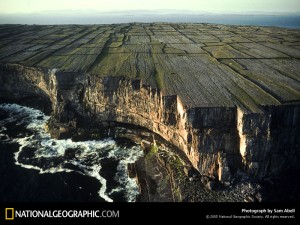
column 225, row 96
column 218, row 141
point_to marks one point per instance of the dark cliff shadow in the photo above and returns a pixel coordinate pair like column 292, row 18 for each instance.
column 282, row 188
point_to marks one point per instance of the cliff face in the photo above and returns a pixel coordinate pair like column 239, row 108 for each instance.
column 218, row 141
column 25, row 85
column 269, row 141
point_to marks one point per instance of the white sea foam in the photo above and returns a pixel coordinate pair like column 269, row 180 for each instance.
column 87, row 157
column 128, row 184
column 2, row 129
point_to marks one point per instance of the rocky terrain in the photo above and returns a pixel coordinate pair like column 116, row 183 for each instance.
column 226, row 97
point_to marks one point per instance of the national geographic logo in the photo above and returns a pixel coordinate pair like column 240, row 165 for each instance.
column 9, row 213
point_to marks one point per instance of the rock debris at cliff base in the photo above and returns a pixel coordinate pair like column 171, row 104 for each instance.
column 227, row 96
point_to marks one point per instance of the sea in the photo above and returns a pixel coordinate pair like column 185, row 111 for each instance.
column 36, row 168
column 69, row 17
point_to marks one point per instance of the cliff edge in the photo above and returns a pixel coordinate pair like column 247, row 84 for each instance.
column 227, row 96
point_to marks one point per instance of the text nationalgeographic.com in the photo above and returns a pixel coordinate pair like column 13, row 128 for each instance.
column 14, row 214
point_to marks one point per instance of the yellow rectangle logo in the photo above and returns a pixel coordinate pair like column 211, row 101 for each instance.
column 9, row 214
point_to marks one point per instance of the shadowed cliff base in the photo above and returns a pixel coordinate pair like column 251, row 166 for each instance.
column 226, row 96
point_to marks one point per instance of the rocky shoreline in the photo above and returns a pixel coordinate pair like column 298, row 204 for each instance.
column 164, row 173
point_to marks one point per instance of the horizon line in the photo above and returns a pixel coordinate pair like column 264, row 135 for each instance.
column 158, row 11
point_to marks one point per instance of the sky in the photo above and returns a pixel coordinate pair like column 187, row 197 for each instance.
column 236, row 6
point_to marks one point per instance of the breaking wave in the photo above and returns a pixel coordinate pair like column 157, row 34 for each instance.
column 40, row 152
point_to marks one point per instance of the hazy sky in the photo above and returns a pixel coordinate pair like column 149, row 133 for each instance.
column 26, row 6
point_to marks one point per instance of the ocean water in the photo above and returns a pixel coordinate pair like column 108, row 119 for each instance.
column 35, row 167
column 278, row 20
